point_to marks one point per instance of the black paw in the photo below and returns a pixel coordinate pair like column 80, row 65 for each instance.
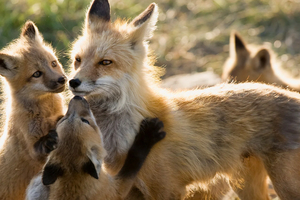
column 151, row 131
column 47, row 143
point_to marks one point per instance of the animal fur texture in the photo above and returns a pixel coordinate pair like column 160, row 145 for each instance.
column 239, row 131
column 73, row 170
column 34, row 78
column 255, row 63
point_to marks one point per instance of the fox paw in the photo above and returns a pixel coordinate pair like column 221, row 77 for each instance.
column 47, row 143
column 151, row 131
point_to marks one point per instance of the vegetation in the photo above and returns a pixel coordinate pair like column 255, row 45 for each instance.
column 191, row 35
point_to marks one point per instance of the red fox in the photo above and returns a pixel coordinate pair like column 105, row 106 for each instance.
column 34, row 77
column 254, row 63
column 73, row 170
column 239, row 131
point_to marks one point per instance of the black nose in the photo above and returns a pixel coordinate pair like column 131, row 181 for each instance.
column 61, row 80
column 74, row 83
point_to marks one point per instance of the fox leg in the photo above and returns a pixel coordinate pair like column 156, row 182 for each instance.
column 251, row 182
column 284, row 171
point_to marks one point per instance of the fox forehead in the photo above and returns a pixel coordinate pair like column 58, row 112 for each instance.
column 100, row 44
column 39, row 55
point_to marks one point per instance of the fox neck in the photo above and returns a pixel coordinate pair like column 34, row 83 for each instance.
column 77, row 185
column 36, row 104
column 119, row 126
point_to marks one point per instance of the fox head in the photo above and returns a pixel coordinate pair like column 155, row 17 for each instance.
column 30, row 66
column 248, row 63
column 80, row 150
column 109, row 57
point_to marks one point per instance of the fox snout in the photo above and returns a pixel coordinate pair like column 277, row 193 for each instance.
column 57, row 85
column 74, row 83
column 61, row 80
column 78, row 104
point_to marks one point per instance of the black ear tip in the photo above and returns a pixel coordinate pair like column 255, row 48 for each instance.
column 47, row 180
column 89, row 168
column 239, row 43
column 50, row 173
column 29, row 29
column 101, row 9
column 236, row 36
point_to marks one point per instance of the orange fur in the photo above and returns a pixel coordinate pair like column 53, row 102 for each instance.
column 33, row 109
column 211, row 132
column 74, row 171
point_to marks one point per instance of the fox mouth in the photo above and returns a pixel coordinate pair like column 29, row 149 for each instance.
column 58, row 90
column 80, row 93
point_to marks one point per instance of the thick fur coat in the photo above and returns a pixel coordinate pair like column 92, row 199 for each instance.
column 238, row 131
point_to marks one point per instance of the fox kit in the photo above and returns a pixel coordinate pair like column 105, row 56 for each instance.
column 34, row 77
column 73, row 170
column 252, row 63
column 239, row 131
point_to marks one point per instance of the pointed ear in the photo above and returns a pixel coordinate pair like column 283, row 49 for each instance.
column 144, row 24
column 99, row 9
column 264, row 58
column 8, row 65
column 93, row 166
column 237, row 44
column 30, row 31
column 51, row 172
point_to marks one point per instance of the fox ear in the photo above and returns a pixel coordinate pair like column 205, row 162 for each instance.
column 30, row 31
column 236, row 43
column 99, row 9
column 93, row 166
column 7, row 65
column 144, row 24
column 51, row 172
column 264, row 58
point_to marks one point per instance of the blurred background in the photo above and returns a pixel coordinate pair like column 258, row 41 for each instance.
column 191, row 36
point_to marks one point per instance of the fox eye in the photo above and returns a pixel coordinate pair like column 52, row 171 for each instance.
column 78, row 59
column 105, row 62
column 85, row 121
column 54, row 63
column 37, row 74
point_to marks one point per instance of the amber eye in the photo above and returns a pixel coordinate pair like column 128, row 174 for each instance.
column 78, row 59
column 54, row 63
column 105, row 62
column 37, row 74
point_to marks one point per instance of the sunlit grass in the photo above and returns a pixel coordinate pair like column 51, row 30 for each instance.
column 191, row 35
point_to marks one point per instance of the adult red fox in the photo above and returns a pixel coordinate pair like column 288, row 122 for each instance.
column 239, row 131
column 254, row 63
column 73, row 170
column 34, row 78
